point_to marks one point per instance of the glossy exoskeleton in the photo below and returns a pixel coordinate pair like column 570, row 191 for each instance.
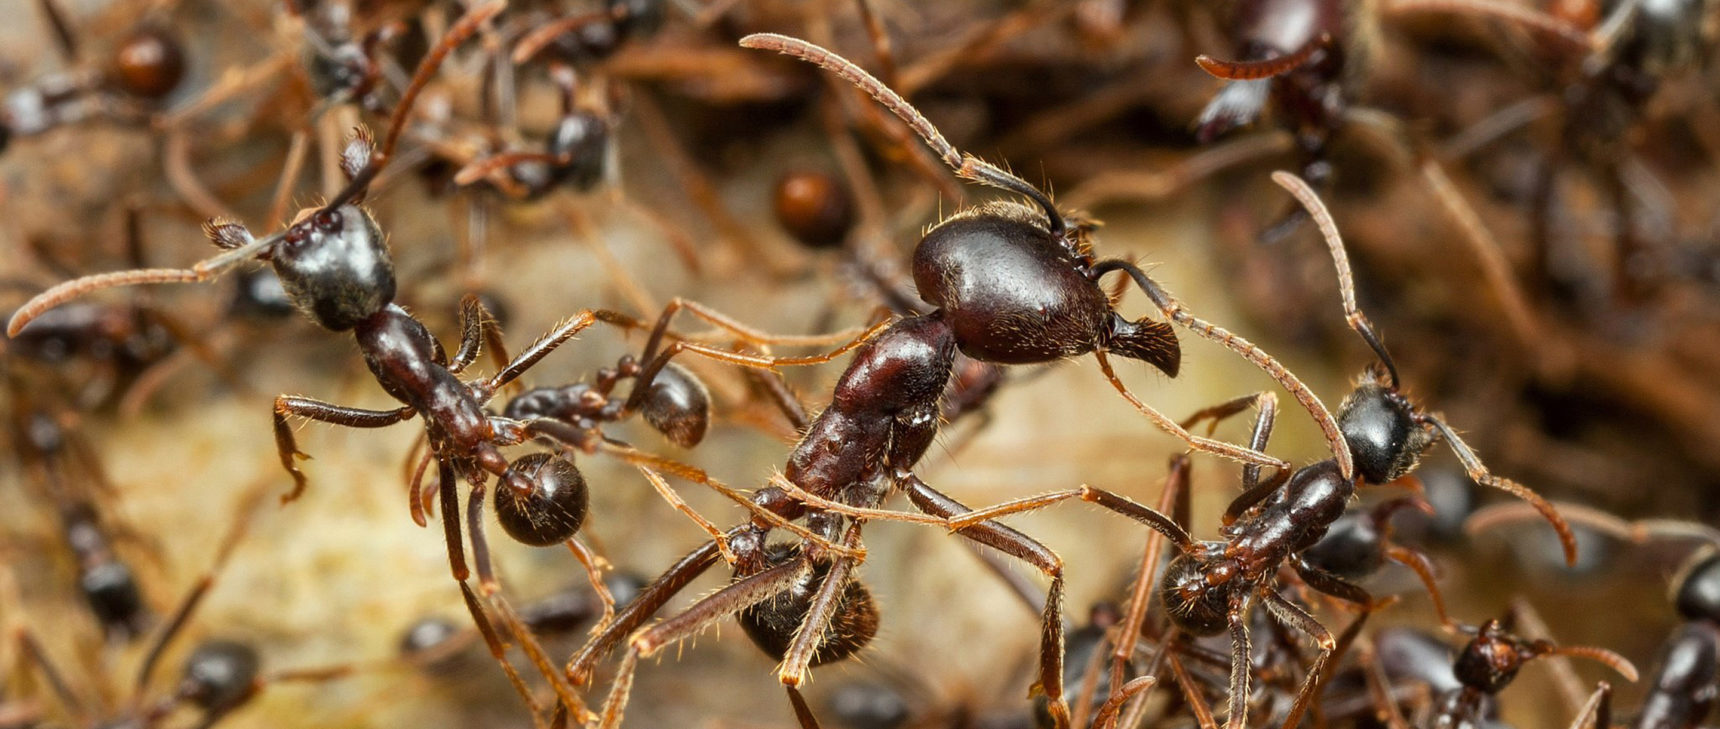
column 1685, row 684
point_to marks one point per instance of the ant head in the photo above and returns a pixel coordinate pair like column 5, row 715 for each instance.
column 337, row 68
column 1696, row 589
column 220, row 675
column 814, row 207
column 541, row 500
column 772, row 624
column 581, row 142
column 1195, row 603
column 1490, row 660
column 335, row 267
column 677, row 405
column 149, row 63
column 110, row 589
column 1383, row 433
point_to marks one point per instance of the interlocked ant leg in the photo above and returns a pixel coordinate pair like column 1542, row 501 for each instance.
column 738, row 595
column 1132, row 186
column 289, row 406
column 1206, row 445
column 498, row 651
column 1290, row 614
column 634, row 614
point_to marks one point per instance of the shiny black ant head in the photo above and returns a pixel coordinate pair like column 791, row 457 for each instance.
column 541, row 499
column 581, row 141
column 1490, row 661
column 814, row 207
column 1696, row 589
column 1383, row 432
column 110, row 589
column 220, row 675
column 1196, row 605
column 772, row 624
column 677, row 405
column 1689, row 668
column 337, row 70
column 149, row 63
column 335, row 267
column 1351, row 549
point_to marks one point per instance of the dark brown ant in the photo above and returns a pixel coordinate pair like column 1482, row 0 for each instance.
column 63, row 464
column 1606, row 77
column 582, row 39
column 335, row 267
column 219, row 676
column 1015, row 284
column 144, row 68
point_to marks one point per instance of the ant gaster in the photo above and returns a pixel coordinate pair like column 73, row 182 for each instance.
column 335, row 267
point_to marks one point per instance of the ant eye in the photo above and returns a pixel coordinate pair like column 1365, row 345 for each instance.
column 328, row 221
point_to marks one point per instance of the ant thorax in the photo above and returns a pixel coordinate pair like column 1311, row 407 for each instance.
column 1010, row 289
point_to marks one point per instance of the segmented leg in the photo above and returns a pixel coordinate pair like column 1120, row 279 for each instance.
column 289, row 406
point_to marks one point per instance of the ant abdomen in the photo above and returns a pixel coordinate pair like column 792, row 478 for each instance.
column 220, row 675
column 149, row 64
column 335, row 267
column 677, row 405
column 814, row 207
column 772, row 624
column 541, row 500
column 1196, row 606
column 1012, row 292
column 1381, row 430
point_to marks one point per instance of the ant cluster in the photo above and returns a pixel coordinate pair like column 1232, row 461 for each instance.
column 639, row 131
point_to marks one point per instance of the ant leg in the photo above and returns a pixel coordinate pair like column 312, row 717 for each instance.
column 1478, row 472
column 476, row 328
column 1025, row 548
column 680, row 505
column 1196, row 701
column 555, row 337
column 594, row 565
column 1206, row 445
column 797, row 660
column 31, row 650
column 735, row 597
column 289, row 406
column 733, row 326
column 1541, row 22
column 634, row 614
column 1597, row 711
column 777, row 389
column 498, row 651
column 1288, row 613
column 1379, row 687
column 1173, row 310
column 445, row 484
column 802, row 712
column 1106, row 718
column 1422, row 565
column 1240, row 652
column 194, row 598
column 1173, row 498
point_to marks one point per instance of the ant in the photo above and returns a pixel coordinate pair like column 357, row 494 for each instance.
column 1212, row 586
column 1607, row 77
column 1016, row 284
column 1686, row 682
column 143, row 70
column 335, row 267
column 59, row 459
column 1465, row 687
column 219, row 677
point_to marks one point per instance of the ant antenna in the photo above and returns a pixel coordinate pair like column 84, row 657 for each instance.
column 1268, row 68
column 1322, row 217
column 966, row 166
column 232, row 236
